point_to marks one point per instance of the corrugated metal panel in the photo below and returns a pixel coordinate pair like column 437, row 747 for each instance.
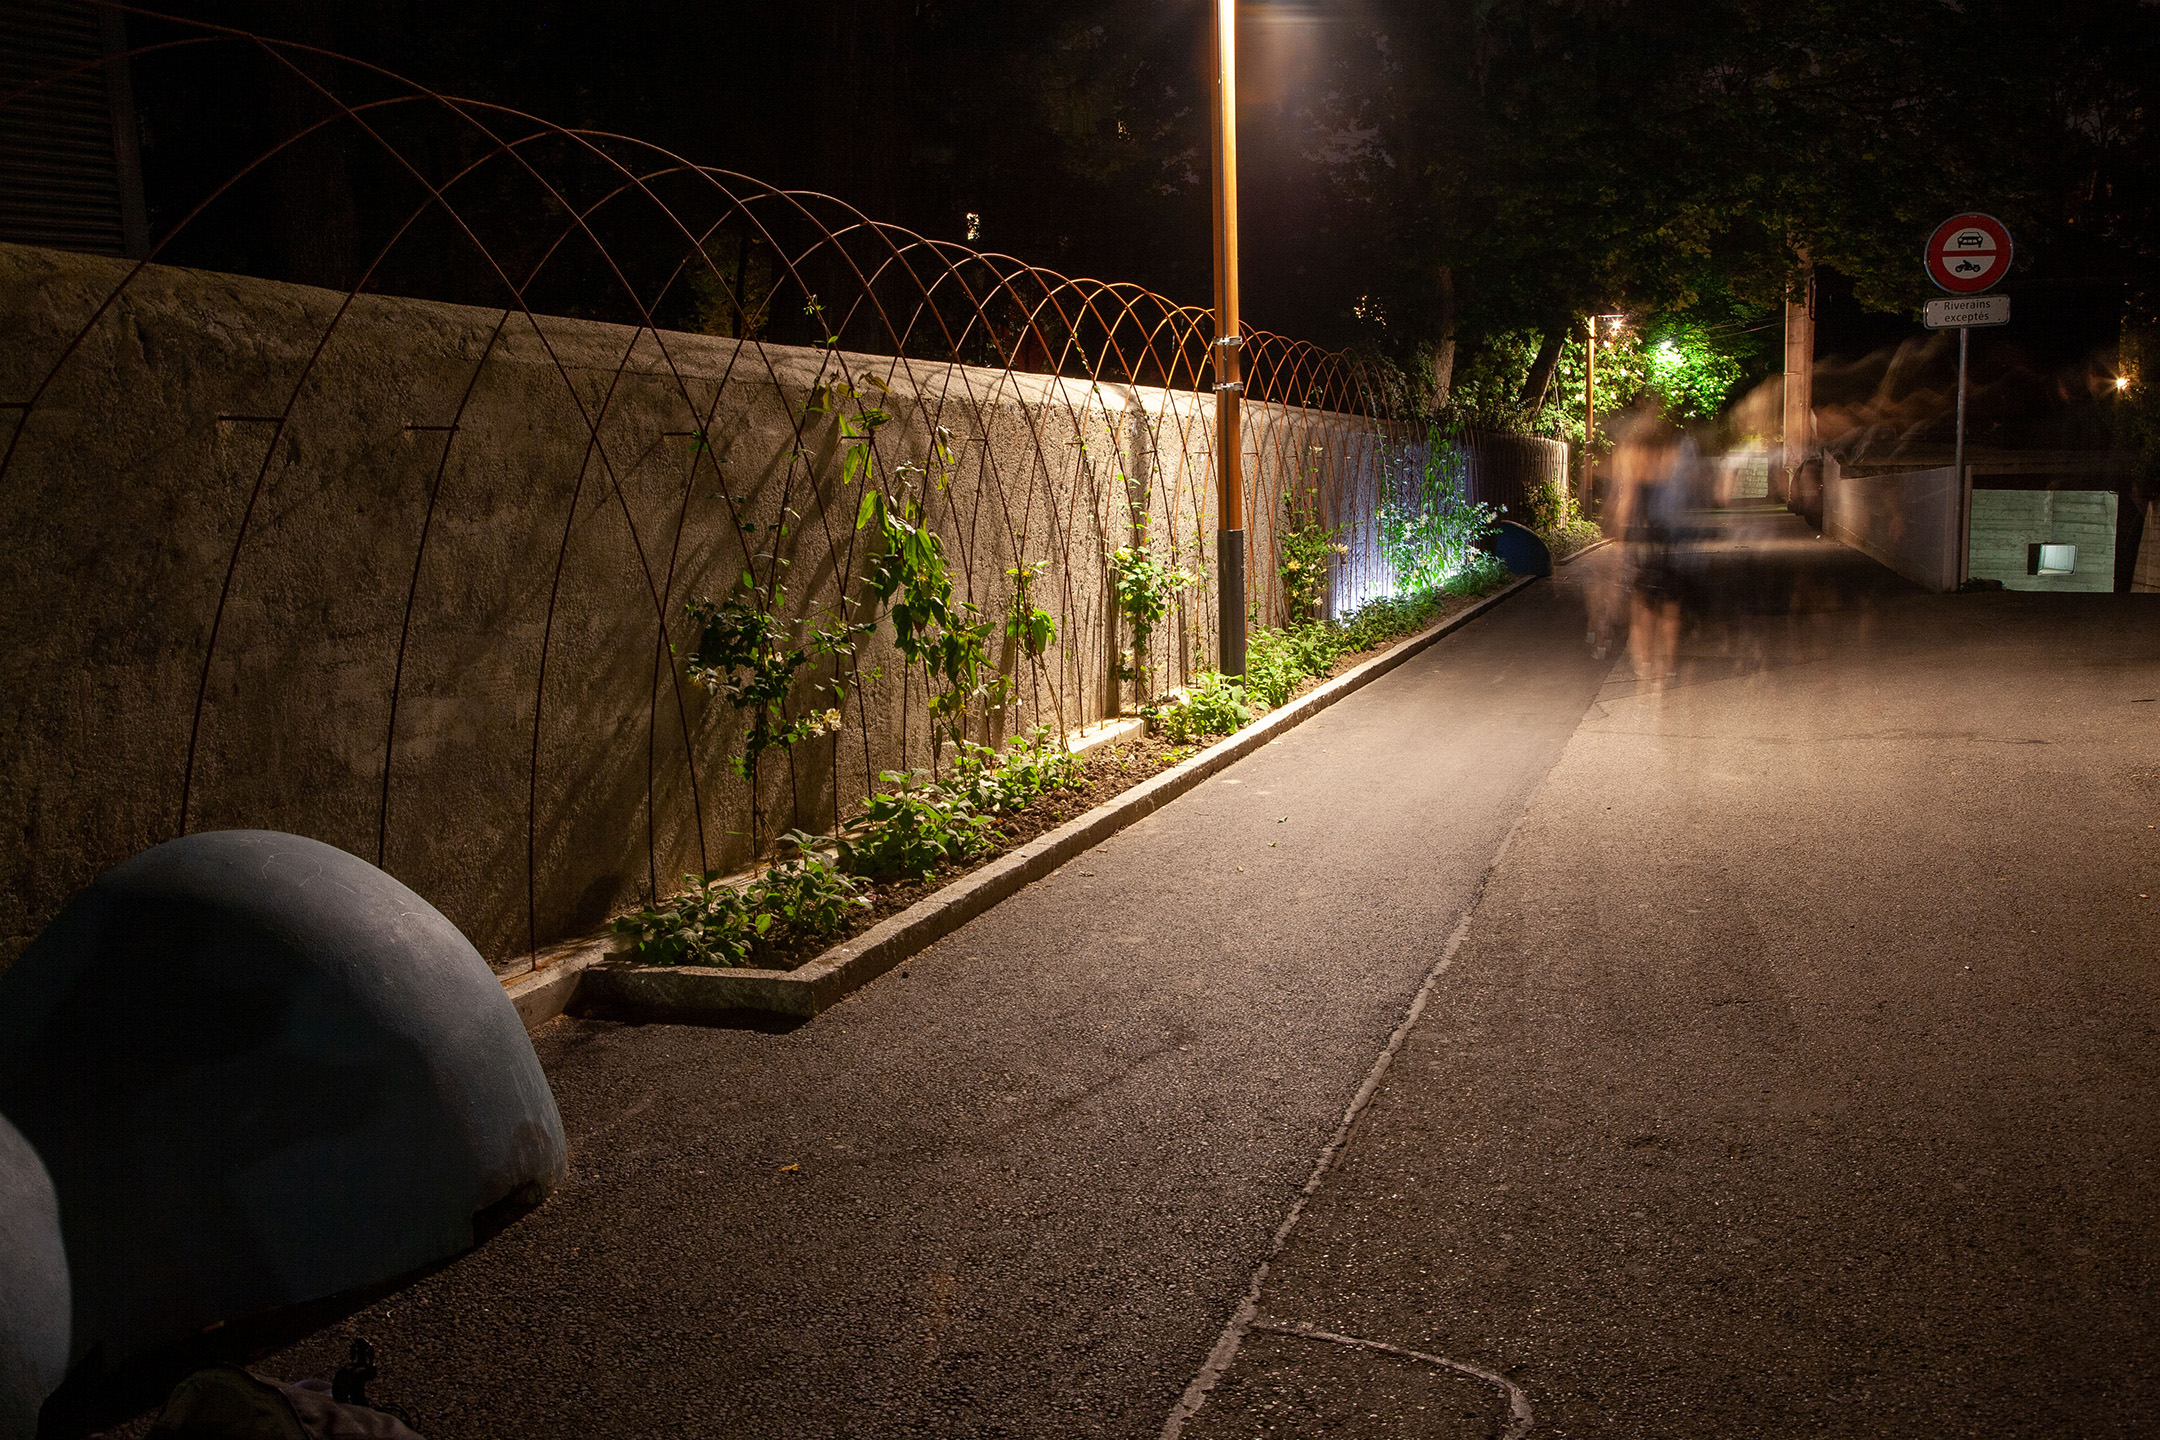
column 68, row 176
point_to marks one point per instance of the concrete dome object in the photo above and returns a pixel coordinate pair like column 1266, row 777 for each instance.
column 33, row 1287
column 260, row 1071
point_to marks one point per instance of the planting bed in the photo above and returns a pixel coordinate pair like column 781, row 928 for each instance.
column 1108, row 770
column 1120, row 782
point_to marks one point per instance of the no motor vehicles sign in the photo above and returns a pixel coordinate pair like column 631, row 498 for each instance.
column 1968, row 253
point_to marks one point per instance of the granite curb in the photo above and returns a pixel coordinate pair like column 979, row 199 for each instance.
column 703, row 993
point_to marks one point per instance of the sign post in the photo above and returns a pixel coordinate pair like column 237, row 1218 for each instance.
column 1966, row 255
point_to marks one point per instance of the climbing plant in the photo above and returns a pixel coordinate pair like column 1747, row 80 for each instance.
column 1428, row 527
column 744, row 655
column 1144, row 585
column 909, row 577
column 1307, row 550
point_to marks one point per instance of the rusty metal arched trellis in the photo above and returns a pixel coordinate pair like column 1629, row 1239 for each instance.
column 400, row 532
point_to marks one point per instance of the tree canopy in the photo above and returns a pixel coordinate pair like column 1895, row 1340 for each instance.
column 1415, row 172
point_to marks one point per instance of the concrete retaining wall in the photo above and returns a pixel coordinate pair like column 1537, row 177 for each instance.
column 1907, row 521
column 441, row 551
column 2006, row 522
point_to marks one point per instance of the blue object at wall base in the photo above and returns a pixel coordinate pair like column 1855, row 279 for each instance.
column 1519, row 547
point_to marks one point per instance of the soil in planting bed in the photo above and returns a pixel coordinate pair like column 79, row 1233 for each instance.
column 1108, row 770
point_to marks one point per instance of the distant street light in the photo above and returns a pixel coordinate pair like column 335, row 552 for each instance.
column 1229, row 341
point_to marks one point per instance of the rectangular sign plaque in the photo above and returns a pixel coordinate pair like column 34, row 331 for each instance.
column 1964, row 311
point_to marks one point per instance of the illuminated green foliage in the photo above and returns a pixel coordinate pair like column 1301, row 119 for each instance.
column 998, row 784
column 1690, row 374
column 1215, row 705
column 1026, row 623
column 714, row 922
column 1428, row 528
column 1144, row 586
column 913, row 826
column 1305, row 551
column 1276, row 661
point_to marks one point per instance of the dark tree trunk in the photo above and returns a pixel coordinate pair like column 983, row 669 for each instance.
column 1539, row 383
column 1443, row 345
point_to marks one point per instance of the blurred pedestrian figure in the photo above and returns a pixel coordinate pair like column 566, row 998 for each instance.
column 1654, row 474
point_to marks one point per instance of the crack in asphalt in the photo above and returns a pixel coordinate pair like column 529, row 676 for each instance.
column 1246, row 1316
column 1519, row 1410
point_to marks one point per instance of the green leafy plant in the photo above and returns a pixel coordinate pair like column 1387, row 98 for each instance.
column 1215, row 705
column 1428, row 528
column 908, row 574
column 743, row 654
column 997, row 784
column 1478, row 573
column 1039, row 762
column 947, row 641
column 1027, row 624
column 809, row 897
column 1385, row 617
column 716, row 922
column 913, row 826
column 1277, row 660
column 1691, row 373
column 709, row 923
column 1144, row 586
column 1306, row 550
column 1549, row 506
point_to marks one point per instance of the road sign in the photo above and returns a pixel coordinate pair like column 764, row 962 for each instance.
column 1967, row 311
column 1968, row 254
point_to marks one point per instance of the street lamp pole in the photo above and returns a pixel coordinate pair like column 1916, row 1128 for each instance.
column 1589, row 404
column 1229, row 342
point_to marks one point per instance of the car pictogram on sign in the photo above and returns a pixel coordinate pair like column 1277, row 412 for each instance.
column 1968, row 253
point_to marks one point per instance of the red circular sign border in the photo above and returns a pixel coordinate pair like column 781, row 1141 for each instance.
column 1971, row 218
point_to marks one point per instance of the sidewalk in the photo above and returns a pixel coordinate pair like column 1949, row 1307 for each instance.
column 1016, row 1188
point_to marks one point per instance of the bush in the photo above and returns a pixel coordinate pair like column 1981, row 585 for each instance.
column 1549, row 507
column 709, row 923
column 1216, row 705
column 713, row 922
column 1476, row 575
column 1276, row 660
column 1554, row 514
column 1428, row 527
column 1306, row 551
column 995, row 784
column 1378, row 621
column 807, row 898
column 913, row 827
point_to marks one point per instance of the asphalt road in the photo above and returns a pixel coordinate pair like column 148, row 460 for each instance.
column 1016, row 1189
column 1795, row 1074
